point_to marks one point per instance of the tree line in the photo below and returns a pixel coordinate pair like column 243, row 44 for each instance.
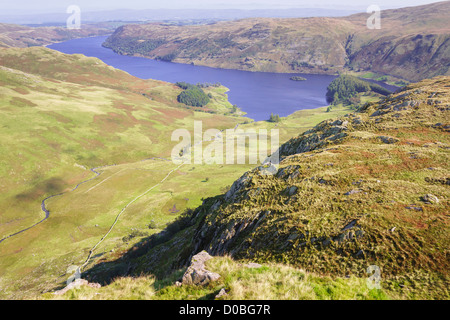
column 345, row 88
column 192, row 95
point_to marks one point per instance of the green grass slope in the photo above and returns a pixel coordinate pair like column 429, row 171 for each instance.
column 367, row 188
column 270, row 281
column 78, row 120
column 63, row 115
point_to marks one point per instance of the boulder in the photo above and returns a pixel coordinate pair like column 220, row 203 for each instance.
column 196, row 273
column 388, row 140
column 222, row 293
column 353, row 191
column 430, row 198
column 414, row 208
column 290, row 191
column 76, row 284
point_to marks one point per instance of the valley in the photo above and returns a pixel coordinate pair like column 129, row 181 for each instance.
column 366, row 188
column 89, row 187
column 73, row 110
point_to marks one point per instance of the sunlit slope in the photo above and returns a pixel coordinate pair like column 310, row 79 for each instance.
column 80, row 114
column 63, row 115
column 80, row 218
column 370, row 188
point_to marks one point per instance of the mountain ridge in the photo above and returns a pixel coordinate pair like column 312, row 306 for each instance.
column 419, row 37
column 19, row 36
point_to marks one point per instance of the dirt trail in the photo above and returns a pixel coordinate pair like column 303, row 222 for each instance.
column 122, row 211
column 186, row 149
column 47, row 212
column 97, row 173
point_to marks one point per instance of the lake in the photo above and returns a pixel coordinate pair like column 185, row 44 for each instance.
column 257, row 93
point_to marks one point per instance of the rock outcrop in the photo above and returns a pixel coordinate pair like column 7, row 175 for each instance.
column 339, row 189
column 76, row 284
column 196, row 273
column 346, row 195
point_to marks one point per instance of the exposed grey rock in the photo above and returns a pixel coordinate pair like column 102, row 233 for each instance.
column 388, row 140
column 294, row 175
column 414, row 208
column 222, row 293
column 290, row 191
column 442, row 126
column 293, row 236
column 337, row 136
column 323, row 134
column 399, row 107
column 196, row 273
column 352, row 192
column 283, row 172
column 350, row 225
column 215, row 205
column 357, row 120
column 430, row 198
column 268, row 170
column 379, row 112
column 406, row 103
column 348, row 235
column 341, row 124
column 237, row 186
column 76, row 284
column 360, row 254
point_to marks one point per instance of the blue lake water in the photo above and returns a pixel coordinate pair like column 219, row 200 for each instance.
column 257, row 93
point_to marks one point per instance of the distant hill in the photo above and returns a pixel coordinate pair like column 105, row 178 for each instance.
column 13, row 35
column 61, row 116
column 412, row 44
column 174, row 15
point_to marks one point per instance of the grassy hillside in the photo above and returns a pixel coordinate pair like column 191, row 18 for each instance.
column 412, row 44
column 367, row 188
column 86, row 177
column 270, row 281
column 63, row 115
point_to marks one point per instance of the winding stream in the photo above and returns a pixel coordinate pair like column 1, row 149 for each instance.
column 44, row 208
